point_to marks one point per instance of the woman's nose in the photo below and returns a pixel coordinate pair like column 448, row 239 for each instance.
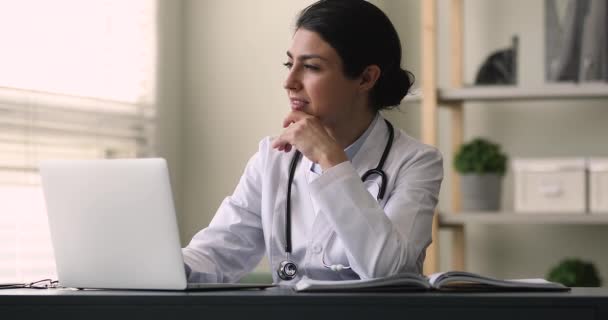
column 292, row 82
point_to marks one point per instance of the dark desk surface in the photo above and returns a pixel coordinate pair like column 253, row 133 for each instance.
column 282, row 303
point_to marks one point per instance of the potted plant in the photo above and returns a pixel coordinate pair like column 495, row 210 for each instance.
column 481, row 165
column 574, row 272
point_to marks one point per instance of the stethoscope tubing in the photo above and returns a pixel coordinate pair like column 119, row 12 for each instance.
column 292, row 169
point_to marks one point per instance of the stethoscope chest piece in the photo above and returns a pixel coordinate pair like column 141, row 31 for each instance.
column 287, row 270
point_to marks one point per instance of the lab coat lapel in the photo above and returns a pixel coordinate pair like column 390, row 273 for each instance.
column 320, row 227
column 369, row 155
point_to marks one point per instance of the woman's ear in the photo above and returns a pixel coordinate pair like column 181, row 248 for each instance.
column 369, row 77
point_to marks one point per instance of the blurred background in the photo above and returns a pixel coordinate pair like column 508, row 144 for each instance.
column 199, row 82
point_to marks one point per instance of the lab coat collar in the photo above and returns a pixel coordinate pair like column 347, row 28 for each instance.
column 370, row 152
column 352, row 150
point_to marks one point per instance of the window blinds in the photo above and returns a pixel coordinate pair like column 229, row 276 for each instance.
column 36, row 126
column 77, row 81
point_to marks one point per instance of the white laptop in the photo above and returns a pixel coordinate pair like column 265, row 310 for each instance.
column 113, row 225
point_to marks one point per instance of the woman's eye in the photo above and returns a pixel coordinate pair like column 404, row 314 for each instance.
column 311, row 67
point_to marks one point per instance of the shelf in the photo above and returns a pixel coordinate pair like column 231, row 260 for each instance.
column 464, row 218
column 512, row 93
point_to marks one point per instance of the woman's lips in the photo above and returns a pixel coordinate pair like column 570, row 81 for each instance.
column 298, row 104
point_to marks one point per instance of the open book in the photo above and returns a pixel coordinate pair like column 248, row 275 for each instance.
column 443, row 281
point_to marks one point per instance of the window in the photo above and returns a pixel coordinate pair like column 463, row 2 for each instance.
column 77, row 81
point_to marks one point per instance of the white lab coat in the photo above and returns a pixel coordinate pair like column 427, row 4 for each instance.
column 335, row 216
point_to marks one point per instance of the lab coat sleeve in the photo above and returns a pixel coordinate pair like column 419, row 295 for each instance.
column 382, row 241
column 233, row 243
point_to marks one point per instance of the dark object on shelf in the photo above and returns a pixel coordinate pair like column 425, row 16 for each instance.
column 500, row 67
column 594, row 45
column 574, row 272
column 576, row 44
column 563, row 37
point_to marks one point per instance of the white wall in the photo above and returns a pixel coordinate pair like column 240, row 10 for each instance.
column 169, row 90
column 233, row 96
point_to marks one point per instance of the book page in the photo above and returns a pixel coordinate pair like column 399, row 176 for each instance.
column 404, row 281
column 454, row 280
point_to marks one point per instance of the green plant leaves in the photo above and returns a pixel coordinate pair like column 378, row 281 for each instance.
column 480, row 156
column 573, row 272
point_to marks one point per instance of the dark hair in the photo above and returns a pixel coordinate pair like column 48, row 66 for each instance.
column 362, row 35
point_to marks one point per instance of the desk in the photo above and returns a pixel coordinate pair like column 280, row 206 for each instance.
column 283, row 304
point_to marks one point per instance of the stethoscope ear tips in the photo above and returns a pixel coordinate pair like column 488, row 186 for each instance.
column 337, row 267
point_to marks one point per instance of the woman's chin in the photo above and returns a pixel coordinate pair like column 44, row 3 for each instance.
column 302, row 109
column 298, row 107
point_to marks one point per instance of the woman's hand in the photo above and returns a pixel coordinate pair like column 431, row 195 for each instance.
column 306, row 133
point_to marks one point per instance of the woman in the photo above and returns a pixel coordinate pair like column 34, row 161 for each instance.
column 301, row 199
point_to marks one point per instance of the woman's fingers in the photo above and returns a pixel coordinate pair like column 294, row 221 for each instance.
column 281, row 144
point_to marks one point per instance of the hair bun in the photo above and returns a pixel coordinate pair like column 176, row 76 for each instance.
column 392, row 87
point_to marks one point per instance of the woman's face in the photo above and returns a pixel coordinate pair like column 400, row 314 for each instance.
column 316, row 83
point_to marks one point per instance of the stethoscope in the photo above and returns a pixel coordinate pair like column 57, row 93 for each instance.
column 287, row 269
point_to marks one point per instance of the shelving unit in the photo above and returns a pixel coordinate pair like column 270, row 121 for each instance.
column 451, row 219
column 514, row 93
column 453, row 99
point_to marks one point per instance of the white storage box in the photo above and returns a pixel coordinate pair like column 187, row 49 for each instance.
column 550, row 185
column 598, row 185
